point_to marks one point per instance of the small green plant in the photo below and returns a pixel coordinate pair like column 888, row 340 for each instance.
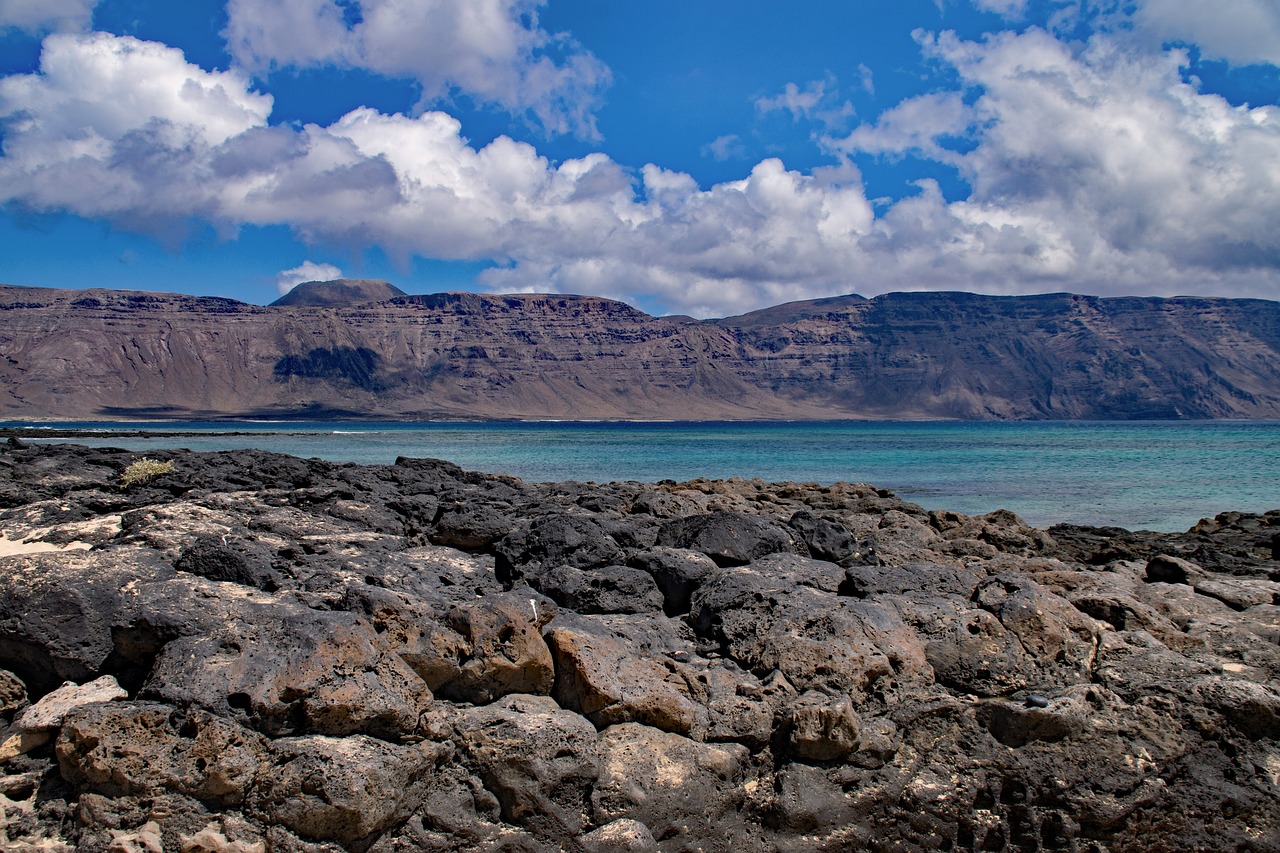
column 144, row 470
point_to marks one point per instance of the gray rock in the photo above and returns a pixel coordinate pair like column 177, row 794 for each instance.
column 672, row 785
column 346, row 789
column 608, row 589
column 146, row 748
column 677, row 572
column 537, row 759
column 728, row 538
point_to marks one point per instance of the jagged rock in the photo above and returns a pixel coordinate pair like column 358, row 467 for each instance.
column 677, row 573
column 620, row 836
column 13, row 693
column 782, row 613
column 140, row 748
column 294, row 671
column 824, row 538
column 343, row 789
column 48, row 713
column 537, row 759
column 675, row 787
column 728, row 538
column 557, row 540
column 607, row 683
column 953, row 682
column 1164, row 568
column 57, row 611
column 823, row 728
column 503, row 650
column 213, row 558
column 1049, row 628
column 608, row 589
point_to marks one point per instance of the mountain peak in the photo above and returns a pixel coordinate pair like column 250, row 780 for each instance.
column 342, row 291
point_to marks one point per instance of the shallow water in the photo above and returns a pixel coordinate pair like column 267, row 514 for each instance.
column 1154, row 475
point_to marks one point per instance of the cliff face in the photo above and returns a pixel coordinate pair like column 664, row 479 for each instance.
column 101, row 354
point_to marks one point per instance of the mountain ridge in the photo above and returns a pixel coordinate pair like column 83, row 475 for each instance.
column 105, row 354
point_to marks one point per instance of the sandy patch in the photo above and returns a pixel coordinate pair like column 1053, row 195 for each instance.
column 9, row 548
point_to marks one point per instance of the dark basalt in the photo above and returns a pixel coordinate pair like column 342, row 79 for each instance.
column 321, row 657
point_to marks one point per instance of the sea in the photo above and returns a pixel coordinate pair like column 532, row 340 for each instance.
column 1152, row 475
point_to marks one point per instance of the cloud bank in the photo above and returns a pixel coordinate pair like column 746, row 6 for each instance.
column 1091, row 166
column 492, row 50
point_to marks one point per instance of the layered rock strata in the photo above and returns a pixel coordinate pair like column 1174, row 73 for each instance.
column 252, row 652
column 98, row 354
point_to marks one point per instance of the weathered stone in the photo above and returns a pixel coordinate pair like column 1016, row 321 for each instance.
column 342, row 789
column 214, row 558
column 139, row 748
column 677, row 572
column 823, row 728
column 48, row 713
column 608, row 683
column 824, row 538
column 1240, row 594
column 13, row 693
column 309, row 672
column 728, row 538
column 502, row 650
column 556, row 540
column 1164, row 568
column 608, row 589
column 537, row 759
column 672, row 785
column 620, row 836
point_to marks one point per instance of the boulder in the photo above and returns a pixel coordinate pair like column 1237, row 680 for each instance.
column 609, row 589
column 577, row 541
column 728, row 538
column 608, row 682
column 677, row 573
column 822, row 728
column 502, row 649
column 536, row 758
column 347, row 789
column 294, row 671
column 674, row 786
column 145, row 748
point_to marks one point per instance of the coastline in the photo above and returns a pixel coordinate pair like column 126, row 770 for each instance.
column 461, row 660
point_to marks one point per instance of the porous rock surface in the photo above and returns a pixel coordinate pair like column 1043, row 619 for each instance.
column 271, row 654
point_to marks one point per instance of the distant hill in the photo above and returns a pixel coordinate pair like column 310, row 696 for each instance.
column 364, row 350
column 342, row 291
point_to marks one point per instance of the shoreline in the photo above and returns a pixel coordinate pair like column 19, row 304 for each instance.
column 327, row 656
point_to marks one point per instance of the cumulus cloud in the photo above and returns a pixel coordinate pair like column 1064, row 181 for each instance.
column 1091, row 168
column 287, row 280
column 42, row 16
column 491, row 50
column 1240, row 31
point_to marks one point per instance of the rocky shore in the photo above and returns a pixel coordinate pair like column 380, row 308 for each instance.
column 246, row 652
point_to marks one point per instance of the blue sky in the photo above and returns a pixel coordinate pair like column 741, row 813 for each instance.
column 705, row 157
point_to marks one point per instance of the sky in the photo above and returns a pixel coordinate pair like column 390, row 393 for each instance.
column 702, row 157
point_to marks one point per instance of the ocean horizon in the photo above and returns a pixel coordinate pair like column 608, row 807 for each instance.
column 1153, row 475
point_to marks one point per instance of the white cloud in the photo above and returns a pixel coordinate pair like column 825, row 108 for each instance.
column 727, row 147
column 1240, row 31
column 1011, row 10
column 1091, row 169
column 812, row 103
column 42, row 16
column 287, row 280
column 914, row 125
column 492, row 50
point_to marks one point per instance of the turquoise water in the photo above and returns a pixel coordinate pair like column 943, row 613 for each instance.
column 1152, row 475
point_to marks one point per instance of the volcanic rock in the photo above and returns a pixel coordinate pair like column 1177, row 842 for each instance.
column 271, row 654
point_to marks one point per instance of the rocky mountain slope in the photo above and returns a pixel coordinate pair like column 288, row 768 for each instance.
column 111, row 354
column 265, row 653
